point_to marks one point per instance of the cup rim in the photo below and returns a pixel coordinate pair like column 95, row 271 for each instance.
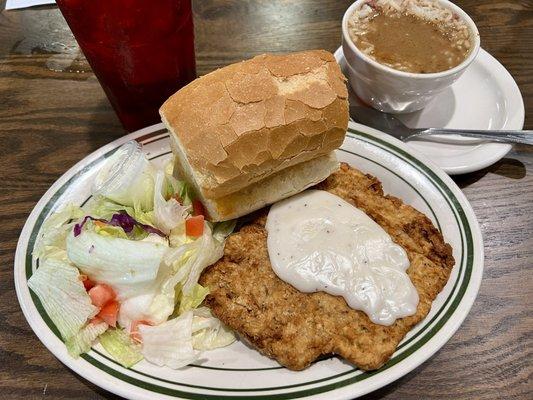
column 432, row 75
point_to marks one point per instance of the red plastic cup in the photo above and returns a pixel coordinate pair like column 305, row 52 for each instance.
column 141, row 51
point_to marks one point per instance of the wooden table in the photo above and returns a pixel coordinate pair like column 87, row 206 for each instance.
column 53, row 113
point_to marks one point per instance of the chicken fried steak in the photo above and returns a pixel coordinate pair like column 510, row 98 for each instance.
column 296, row 328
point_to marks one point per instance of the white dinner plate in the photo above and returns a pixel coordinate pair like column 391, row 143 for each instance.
column 484, row 97
column 238, row 370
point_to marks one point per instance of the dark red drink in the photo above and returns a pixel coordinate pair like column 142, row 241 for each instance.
column 141, row 51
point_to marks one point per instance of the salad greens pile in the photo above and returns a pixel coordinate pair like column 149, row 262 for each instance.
column 123, row 270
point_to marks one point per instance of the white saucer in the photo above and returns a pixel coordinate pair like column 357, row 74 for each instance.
column 485, row 97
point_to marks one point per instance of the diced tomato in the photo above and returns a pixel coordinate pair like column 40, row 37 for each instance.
column 87, row 283
column 194, row 226
column 109, row 312
column 197, row 208
column 101, row 294
column 134, row 329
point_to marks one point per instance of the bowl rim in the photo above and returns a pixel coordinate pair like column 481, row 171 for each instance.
column 422, row 76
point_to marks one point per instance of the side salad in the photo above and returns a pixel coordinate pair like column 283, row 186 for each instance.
column 124, row 268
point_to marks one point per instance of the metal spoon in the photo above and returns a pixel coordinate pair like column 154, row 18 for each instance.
column 393, row 126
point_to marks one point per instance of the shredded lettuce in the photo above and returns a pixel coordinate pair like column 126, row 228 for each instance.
column 184, row 191
column 221, row 230
column 169, row 344
column 162, row 305
column 164, row 302
column 102, row 207
column 208, row 251
column 113, row 231
column 126, row 265
column 61, row 292
column 54, row 253
column 169, row 167
column 193, row 299
column 140, row 308
column 127, row 177
column 186, row 263
column 174, row 187
column 167, row 213
column 178, row 237
column 133, row 238
column 121, row 347
column 121, row 225
column 55, row 229
column 208, row 332
column 84, row 339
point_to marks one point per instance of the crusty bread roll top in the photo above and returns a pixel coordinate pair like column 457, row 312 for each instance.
column 249, row 121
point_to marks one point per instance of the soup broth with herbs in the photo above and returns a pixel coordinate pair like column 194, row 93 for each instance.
column 409, row 42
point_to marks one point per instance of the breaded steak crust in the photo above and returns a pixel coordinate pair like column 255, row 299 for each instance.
column 296, row 328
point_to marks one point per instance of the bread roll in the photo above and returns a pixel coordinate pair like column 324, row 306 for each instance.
column 246, row 122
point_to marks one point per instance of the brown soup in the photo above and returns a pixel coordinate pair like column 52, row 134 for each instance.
column 409, row 43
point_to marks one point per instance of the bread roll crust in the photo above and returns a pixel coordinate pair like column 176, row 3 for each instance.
column 248, row 120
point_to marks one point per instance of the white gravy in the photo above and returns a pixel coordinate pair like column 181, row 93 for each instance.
column 319, row 242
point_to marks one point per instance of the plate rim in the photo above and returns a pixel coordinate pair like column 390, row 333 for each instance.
column 125, row 389
column 511, row 94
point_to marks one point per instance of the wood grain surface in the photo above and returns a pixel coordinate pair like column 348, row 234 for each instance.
column 53, row 113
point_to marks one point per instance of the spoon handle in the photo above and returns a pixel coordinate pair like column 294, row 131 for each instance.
column 505, row 136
